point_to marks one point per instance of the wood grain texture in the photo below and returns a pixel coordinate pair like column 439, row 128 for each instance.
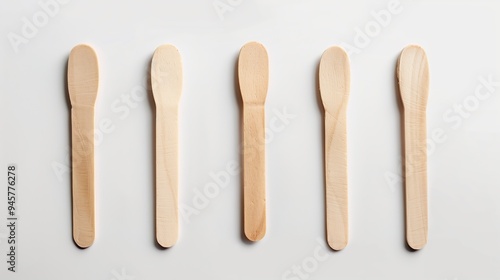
column 166, row 80
column 334, row 83
column 253, row 75
column 83, row 83
column 413, row 76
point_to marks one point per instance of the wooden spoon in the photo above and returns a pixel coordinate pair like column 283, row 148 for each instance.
column 413, row 76
column 253, row 75
column 83, row 83
column 334, row 85
column 166, row 80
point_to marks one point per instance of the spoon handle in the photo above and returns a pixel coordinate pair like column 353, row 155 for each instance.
column 416, row 177
column 254, row 180
column 336, row 179
column 82, row 139
column 167, row 224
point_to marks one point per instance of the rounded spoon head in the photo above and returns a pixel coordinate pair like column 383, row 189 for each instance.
column 166, row 75
column 83, row 76
column 253, row 73
column 413, row 77
column 334, row 79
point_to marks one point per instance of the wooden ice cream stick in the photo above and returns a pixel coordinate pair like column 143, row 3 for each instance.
column 334, row 84
column 253, row 75
column 413, row 76
column 166, row 80
column 83, row 83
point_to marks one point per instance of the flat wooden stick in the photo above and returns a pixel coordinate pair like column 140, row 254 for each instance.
column 334, row 83
column 83, row 83
column 166, row 79
column 413, row 76
column 253, row 73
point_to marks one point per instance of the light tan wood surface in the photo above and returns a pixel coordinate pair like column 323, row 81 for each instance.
column 253, row 75
column 166, row 80
column 83, row 83
column 334, row 84
column 413, row 76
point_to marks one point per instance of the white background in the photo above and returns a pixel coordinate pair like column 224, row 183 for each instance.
column 461, row 40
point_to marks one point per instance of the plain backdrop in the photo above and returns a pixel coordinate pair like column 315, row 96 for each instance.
column 461, row 41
